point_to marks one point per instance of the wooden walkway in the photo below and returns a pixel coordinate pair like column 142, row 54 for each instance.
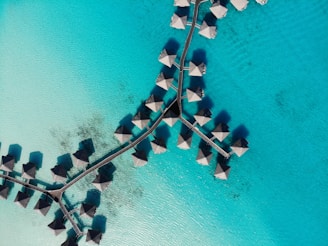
column 204, row 137
column 184, row 54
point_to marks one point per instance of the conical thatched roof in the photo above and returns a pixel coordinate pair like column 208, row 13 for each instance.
column 22, row 199
column 70, row 242
column 207, row 31
column 94, row 236
column 42, row 206
column 57, row 226
column 170, row 118
column 182, row 3
column 240, row 5
column 59, row 173
column 204, row 156
column 172, row 115
column 240, row 147
column 167, row 58
column 163, row 81
column 218, row 10
column 184, row 141
column 221, row 131
column 158, row 145
column 141, row 120
column 4, row 191
column 197, row 70
column 262, row 2
column 222, row 171
column 88, row 210
column 29, row 170
column 7, row 163
column 122, row 134
column 195, row 94
column 203, row 116
column 178, row 22
column 153, row 103
column 139, row 158
column 81, row 158
column 101, row 182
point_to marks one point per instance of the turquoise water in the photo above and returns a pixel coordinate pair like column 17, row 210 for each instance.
column 88, row 64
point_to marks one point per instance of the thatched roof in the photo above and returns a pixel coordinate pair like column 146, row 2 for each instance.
column 204, row 156
column 59, row 173
column 122, row 134
column 221, row 131
column 240, row 147
column 158, row 145
column 29, row 170
column 184, row 141
column 42, row 206
column 7, row 163
column 197, row 70
column 178, row 22
column 240, row 5
column 57, row 226
column 81, row 158
column 22, row 199
column 101, row 182
column 167, row 58
column 139, row 158
column 203, row 116
column 94, row 236
column 218, row 10
column 207, row 31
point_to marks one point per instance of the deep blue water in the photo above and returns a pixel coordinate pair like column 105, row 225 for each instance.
column 88, row 65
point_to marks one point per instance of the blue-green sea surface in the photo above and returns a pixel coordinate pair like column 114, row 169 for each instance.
column 72, row 70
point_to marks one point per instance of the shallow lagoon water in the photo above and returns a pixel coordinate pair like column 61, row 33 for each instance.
column 74, row 71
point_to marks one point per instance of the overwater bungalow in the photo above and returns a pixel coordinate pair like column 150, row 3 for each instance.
column 262, row 2
column 204, row 156
column 29, row 171
column 101, row 182
column 197, row 70
column 141, row 120
column 163, row 81
column 222, row 171
column 42, row 206
column 221, row 131
column 154, row 103
column 81, row 158
column 207, row 31
column 139, row 158
column 218, row 10
column 178, row 22
column 22, row 199
column 7, row 163
column 88, row 210
column 195, row 94
column 181, row 3
column 57, row 226
column 170, row 118
column 240, row 147
column 158, row 145
column 71, row 241
column 167, row 58
column 4, row 191
column 184, row 141
column 94, row 236
column 59, row 173
column 122, row 134
column 240, row 5
column 203, row 116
